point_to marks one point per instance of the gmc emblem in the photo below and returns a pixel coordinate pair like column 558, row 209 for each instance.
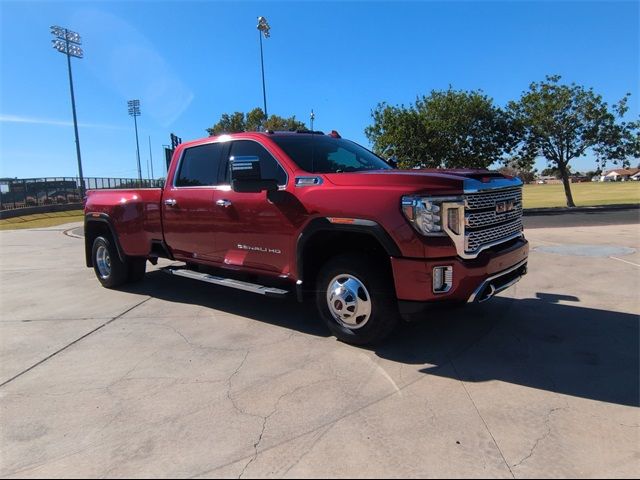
column 506, row 206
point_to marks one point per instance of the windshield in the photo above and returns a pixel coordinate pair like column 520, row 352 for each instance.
column 323, row 154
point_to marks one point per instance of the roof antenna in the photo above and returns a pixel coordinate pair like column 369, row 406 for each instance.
column 313, row 152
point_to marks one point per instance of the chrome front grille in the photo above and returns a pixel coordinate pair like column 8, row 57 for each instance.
column 492, row 217
column 484, row 219
column 489, row 199
column 474, row 240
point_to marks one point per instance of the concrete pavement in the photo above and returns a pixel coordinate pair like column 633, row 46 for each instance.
column 176, row 378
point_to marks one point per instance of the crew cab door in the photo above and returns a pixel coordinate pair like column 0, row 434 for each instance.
column 253, row 231
column 188, row 203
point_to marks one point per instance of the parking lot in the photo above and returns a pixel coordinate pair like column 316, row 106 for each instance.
column 175, row 378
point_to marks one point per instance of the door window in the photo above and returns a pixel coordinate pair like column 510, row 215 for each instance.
column 200, row 166
column 269, row 166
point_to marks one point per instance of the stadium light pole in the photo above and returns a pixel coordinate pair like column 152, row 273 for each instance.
column 68, row 42
column 263, row 28
column 134, row 111
column 151, row 158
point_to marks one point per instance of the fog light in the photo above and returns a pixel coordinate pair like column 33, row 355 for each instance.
column 442, row 279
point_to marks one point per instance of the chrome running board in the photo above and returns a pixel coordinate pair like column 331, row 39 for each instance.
column 228, row 282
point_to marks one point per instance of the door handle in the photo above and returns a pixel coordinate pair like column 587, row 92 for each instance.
column 170, row 202
column 223, row 203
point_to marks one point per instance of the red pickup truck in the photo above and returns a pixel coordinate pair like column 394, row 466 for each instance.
column 320, row 217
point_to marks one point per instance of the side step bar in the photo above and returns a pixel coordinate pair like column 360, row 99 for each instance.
column 228, row 282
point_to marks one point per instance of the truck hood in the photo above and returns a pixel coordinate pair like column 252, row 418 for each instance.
column 440, row 181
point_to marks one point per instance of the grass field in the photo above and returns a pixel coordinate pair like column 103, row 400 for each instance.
column 584, row 194
column 40, row 220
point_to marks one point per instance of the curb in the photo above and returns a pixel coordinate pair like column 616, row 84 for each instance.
column 530, row 212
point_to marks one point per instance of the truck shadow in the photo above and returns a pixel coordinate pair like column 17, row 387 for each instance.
column 535, row 342
column 286, row 313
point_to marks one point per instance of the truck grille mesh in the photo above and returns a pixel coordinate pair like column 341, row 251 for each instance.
column 476, row 239
column 484, row 225
column 484, row 219
column 488, row 199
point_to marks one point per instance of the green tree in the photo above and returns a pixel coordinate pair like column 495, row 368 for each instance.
column 253, row 121
column 233, row 123
column 524, row 172
column 450, row 128
column 563, row 122
column 553, row 172
column 276, row 122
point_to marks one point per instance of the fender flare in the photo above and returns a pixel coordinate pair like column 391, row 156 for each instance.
column 323, row 224
column 105, row 219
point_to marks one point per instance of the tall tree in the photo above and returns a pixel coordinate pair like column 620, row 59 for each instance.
column 450, row 128
column 276, row 122
column 562, row 122
column 233, row 123
column 524, row 172
column 253, row 121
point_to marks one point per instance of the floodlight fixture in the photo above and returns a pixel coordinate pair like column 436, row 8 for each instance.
column 134, row 111
column 263, row 28
column 68, row 42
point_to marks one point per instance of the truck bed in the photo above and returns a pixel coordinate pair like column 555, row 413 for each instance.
column 134, row 213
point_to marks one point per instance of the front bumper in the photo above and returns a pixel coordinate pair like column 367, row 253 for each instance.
column 473, row 280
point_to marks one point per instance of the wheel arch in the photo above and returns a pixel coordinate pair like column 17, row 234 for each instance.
column 96, row 225
column 322, row 239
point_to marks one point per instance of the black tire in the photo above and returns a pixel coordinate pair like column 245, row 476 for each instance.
column 117, row 272
column 137, row 269
column 378, row 284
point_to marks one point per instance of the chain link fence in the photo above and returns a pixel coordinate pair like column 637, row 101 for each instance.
column 32, row 192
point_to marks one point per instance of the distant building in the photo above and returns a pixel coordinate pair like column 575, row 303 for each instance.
column 620, row 175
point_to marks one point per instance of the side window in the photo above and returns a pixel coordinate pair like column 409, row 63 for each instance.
column 199, row 166
column 269, row 167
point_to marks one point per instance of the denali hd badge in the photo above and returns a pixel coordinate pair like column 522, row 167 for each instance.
column 259, row 249
column 504, row 207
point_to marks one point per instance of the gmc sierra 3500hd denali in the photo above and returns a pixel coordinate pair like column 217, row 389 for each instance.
column 301, row 212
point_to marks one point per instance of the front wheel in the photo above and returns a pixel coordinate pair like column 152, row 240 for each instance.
column 356, row 299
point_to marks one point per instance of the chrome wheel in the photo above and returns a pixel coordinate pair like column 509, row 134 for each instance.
column 103, row 261
column 349, row 301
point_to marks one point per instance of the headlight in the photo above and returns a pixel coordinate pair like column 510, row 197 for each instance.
column 425, row 214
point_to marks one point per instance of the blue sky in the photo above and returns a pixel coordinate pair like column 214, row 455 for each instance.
column 188, row 62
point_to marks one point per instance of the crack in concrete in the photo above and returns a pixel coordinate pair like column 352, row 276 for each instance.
column 311, row 447
column 540, row 439
column 73, row 343
column 265, row 419
column 481, row 417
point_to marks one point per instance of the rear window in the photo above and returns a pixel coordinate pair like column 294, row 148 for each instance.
column 200, row 165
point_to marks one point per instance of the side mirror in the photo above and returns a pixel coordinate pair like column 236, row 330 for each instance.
column 246, row 176
column 393, row 161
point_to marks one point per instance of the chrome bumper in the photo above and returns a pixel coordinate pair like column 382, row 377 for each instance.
column 499, row 282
